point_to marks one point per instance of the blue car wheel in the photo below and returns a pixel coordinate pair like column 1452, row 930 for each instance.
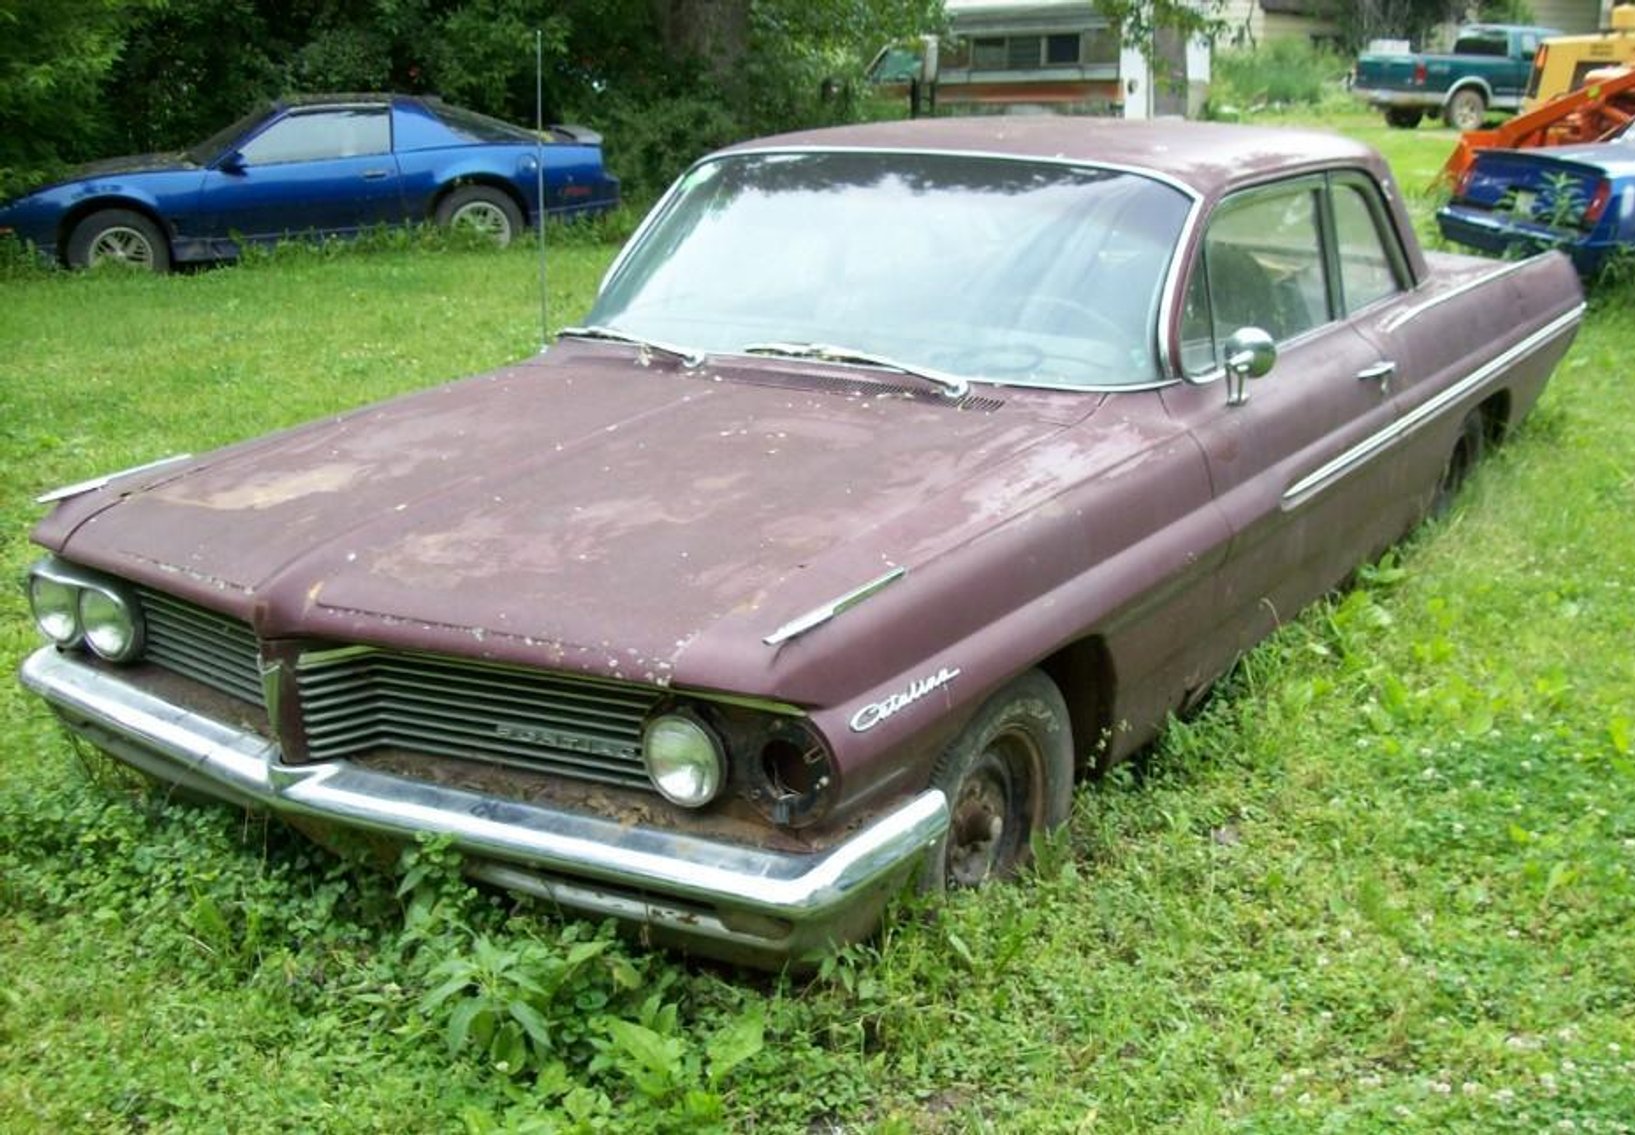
column 118, row 236
column 483, row 210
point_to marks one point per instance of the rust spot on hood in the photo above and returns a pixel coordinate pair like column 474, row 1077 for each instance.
column 267, row 489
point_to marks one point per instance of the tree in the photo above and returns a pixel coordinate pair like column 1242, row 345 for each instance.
column 1142, row 22
column 54, row 62
column 1415, row 20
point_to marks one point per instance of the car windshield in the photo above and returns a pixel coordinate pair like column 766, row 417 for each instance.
column 212, row 147
column 981, row 268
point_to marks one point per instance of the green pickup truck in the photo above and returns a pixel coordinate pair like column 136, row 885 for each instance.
column 1487, row 70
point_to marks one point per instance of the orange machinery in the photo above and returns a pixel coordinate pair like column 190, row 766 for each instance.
column 1604, row 103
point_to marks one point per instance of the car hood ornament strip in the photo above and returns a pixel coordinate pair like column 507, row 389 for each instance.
column 817, row 616
column 79, row 487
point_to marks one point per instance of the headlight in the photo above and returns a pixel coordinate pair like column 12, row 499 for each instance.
column 56, row 608
column 76, row 607
column 684, row 759
column 111, row 624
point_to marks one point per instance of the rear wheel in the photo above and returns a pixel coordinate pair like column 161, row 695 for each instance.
column 1466, row 110
column 118, row 236
column 483, row 210
column 1462, row 461
column 1403, row 118
column 1007, row 776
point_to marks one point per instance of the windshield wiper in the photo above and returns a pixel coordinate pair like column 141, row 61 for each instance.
column 951, row 385
column 688, row 356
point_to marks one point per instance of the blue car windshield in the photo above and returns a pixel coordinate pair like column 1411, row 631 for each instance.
column 982, row 268
column 212, row 147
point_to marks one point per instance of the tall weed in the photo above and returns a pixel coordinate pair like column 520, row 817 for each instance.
column 1281, row 74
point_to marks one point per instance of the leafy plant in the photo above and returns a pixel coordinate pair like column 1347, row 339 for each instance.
column 1278, row 74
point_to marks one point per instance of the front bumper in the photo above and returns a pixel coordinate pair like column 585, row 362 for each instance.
column 724, row 900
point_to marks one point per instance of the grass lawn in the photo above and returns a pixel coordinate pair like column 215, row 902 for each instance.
column 1384, row 882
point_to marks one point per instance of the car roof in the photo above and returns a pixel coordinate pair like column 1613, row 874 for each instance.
column 1207, row 157
column 341, row 97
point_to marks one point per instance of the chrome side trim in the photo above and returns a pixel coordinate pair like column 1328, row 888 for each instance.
column 1320, row 479
column 79, row 487
column 1408, row 314
column 742, row 885
column 820, row 615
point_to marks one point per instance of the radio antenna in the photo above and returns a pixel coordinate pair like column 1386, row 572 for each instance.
column 539, row 175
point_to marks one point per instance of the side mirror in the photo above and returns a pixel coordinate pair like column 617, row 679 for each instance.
column 231, row 162
column 1250, row 353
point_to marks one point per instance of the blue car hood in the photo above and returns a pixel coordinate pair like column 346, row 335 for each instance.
column 132, row 163
column 110, row 167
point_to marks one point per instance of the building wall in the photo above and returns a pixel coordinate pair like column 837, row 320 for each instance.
column 1248, row 22
column 1107, row 77
column 1574, row 16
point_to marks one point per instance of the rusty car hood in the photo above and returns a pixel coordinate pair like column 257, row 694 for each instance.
column 579, row 509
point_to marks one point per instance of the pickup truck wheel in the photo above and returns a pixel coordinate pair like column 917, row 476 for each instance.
column 1466, row 110
column 118, row 236
column 483, row 210
column 1007, row 776
column 1462, row 461
column 1403, row 118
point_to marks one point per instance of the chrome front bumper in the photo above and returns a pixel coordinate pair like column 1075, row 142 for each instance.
column 715, row 898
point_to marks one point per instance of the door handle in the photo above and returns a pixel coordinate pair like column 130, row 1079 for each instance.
column 1380, row 372
column 374, row 174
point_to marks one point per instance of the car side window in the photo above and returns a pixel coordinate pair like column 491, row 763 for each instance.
column 1367, row 269
column 317, row 135
column 1262, row 267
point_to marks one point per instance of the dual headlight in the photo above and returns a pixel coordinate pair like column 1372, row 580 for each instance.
column 73, row 608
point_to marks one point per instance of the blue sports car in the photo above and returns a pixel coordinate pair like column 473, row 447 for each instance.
column 1580, row 199
column 322, row 166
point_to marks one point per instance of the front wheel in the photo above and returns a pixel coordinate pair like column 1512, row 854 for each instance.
column 483, row 210
column 118, row 236
column 1403, row 118
column 1466, row 110
column 1008, row 775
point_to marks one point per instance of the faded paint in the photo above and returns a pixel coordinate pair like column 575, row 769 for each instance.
column 600, row 511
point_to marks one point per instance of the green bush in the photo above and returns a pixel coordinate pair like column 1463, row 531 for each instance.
column 1283, row 72
column 649, row 142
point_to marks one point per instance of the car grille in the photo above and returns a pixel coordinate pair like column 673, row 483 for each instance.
column 359, row 699
column 354, row 700
column 197, row 643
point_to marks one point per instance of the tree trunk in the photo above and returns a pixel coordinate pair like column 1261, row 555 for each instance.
column 713, row 32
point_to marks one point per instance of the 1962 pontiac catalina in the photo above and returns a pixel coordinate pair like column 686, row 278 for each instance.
column 899, row 474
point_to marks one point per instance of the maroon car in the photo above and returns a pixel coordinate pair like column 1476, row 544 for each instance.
column 899, row 474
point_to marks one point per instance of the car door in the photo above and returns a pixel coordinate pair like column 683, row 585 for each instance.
column 322, row 170
column 1510, row 81
column 1303, row 511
